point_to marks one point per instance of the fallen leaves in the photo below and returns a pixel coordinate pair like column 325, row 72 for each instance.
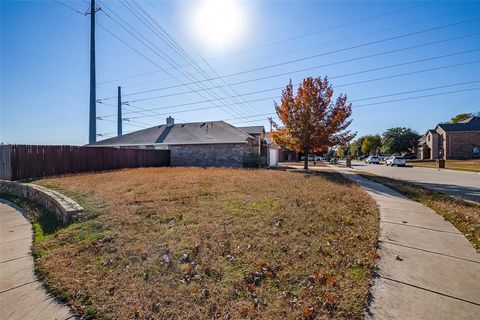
column 200, row 259
column 308, row 314
column 331, row 280
column 330, row 298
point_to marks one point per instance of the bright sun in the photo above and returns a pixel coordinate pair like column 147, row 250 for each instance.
column 218, row 23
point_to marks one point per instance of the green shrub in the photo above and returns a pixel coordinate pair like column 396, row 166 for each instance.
column 253, row 160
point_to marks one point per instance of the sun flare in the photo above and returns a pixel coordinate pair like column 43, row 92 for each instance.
column 218, row 23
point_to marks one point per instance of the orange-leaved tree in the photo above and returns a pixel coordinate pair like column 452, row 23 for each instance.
column 311, row 120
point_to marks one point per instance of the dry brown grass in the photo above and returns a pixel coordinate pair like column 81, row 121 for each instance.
column 319, row 164
column 465, row 216
column 463, row 165
column 188, row 243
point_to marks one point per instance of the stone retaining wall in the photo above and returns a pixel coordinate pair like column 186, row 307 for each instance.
column 65, row 209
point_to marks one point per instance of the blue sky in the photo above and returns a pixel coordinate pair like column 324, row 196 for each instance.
column 431, row 46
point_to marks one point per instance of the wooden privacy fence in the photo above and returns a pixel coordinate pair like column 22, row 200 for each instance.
column 19, row 162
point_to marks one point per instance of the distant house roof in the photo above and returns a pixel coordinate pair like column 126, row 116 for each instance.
column 253, row 129
column 422, row 140
column 470, row 124
column 212, row 132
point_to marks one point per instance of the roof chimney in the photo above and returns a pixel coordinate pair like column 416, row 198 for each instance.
column 170, row 122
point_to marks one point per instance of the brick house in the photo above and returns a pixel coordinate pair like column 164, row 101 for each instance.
column 259, row 135
column 451, row 141
column 204, row 144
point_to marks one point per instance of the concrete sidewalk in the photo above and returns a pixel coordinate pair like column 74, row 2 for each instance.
column 22, row 295
column 427, row 269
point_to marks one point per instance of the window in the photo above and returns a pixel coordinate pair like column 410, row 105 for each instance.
column 428, row 138
column 476, row 152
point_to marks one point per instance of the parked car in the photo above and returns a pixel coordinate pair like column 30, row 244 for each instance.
column 395, row 161
column 372, row 159
column 312, row 157
column 409, row 156
column 333, row 160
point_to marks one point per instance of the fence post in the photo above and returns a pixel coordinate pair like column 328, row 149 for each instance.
column 5, row 163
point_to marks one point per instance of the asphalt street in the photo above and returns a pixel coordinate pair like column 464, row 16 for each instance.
column 454, row 182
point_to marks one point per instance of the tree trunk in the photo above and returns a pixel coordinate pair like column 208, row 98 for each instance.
column 305, row 160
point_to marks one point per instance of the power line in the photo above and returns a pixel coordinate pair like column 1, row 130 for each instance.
column 390, row 101
column 381, row 102
column 276, row 97
column 351, row 47
column 327, row 29
column 418, row 97
column 340, row 76
column 417, row 90
column 316, row 45
column 345, row 84
column 71, row 8
column 167, row 41
column 315, row 32
column 377, row 103
column 162, row 55
column 176, row 48
column 357, row 46
column 188, row 58
column 114, row 35
column 311, row 68
column 128, row 124
column 392, row 94
column 140, row 111
column 353, row 59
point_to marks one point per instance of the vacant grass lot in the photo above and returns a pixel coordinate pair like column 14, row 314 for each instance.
column 463, row 165
column 465, row 216
column 186, row 243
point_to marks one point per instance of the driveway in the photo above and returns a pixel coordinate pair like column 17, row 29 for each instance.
column 457, row 183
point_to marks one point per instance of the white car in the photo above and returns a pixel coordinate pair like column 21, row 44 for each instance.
column 395, row 161
column 372, row 159
column 312, row 157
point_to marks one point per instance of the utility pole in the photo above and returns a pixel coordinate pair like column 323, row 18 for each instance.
column 92, row 131
column 119, row 115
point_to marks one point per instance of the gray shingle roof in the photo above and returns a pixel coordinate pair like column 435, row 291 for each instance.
column 252, row 129
column 471, row 124
column 422, row 140
column 181, row 133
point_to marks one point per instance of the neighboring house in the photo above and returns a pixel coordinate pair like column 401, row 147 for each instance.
column 428, row 145
column 258, row 132
column 205, row 144
column 287, row 155
column 451, row 141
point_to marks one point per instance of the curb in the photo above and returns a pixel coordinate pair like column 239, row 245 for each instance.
column 65, row 209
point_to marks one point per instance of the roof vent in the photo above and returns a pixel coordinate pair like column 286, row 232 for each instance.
column 170, row 122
